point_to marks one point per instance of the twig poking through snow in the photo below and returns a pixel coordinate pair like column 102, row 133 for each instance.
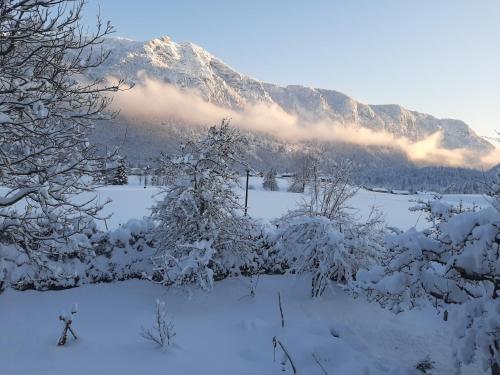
column 281, row 311
column 286, row 355
column 316, row 359
column 252, row 287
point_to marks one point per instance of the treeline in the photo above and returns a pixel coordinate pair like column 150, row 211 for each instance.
column 444, row 180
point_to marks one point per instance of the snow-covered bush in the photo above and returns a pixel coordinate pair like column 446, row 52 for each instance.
column 121, row 254
column 202, row 234
column 322, row 239
column 163, row 330
column 453, row 263
column 318, row 245
column 425, row 365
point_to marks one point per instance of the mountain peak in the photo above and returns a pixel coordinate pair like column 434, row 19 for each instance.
column 187, row 65
column 164, row 39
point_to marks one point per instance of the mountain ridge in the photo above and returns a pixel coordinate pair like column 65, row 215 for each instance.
column 188, row 66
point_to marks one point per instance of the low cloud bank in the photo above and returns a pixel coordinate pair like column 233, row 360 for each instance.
column 156, row 100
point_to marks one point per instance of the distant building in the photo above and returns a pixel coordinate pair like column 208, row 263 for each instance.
column 379, row 190
column 400, row 192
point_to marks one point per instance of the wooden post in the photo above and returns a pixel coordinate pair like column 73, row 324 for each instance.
column 246, row 192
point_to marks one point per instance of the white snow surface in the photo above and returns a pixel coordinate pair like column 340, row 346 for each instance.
column 225, row 331
column 134, row 201
column 222, row 332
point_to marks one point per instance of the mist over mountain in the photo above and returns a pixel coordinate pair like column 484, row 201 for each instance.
column 180, row 86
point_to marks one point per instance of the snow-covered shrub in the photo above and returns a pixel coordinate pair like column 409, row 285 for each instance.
column 453, row 263
column 124, row 253
column 251, row 286
column 202, row 234
column 320, row 237
column 117, row 255
column 318, row 245
column 163, row 330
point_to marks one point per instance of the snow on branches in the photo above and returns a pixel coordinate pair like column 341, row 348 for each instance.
column 202, row 234
column 46, row 116
column 269, row 182
column 316, row 244
column 121, row 254
column 455, row 262
column 163, row 330
column 320, row 237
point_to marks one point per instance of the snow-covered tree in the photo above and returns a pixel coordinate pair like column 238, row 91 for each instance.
column 202, row 234
column 307, row 167
column 320, row 237
column 100, row 176
column 46, row 114
column 159, row 171
column 331, row 187
column 269, row 182
column 120, row 175
column 453, row 263
column 112, row 169
column 494, row 191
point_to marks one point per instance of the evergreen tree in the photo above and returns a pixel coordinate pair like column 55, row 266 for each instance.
column 121, row 172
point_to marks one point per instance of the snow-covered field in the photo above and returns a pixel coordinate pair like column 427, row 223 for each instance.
column 225, row 331
column 134, row 201
column 222, row 332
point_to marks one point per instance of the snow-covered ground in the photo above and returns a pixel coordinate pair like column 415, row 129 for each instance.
column 225, row 331
column 222, row 332
column 134, row 201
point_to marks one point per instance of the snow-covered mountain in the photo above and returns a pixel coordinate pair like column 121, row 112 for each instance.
column 187, row 65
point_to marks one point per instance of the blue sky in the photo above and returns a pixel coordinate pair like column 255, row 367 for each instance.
column 440, row 57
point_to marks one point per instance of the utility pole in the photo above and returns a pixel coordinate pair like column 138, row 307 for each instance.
column 246, row 192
